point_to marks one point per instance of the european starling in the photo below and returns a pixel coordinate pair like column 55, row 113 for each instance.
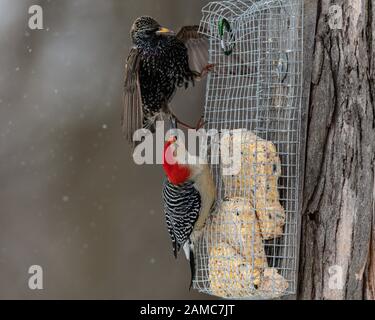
column 158, row 63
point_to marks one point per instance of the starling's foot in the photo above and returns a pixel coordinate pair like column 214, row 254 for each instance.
column 201, row 123
column 173, row 122
column 208, row 68
column 178, row 121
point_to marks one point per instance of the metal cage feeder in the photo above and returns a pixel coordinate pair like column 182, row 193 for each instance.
column 249, row 247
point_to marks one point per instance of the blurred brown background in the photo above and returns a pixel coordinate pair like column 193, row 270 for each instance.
column 71, row 198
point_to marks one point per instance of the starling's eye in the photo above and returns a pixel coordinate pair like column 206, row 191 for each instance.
column 149, row 32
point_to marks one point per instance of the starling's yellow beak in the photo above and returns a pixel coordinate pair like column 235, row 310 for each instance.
column 164, row 31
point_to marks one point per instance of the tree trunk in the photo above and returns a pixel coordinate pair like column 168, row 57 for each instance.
column 337, row 258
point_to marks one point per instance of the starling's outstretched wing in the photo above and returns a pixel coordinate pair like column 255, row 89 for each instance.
column 132, row 117
column 197, row 45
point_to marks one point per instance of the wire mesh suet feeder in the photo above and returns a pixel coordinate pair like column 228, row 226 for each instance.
column 249, row 247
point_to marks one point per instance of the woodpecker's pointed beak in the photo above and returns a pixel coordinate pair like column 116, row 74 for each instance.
column 165, row 32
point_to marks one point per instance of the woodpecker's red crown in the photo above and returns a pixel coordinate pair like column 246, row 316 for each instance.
column 176, row 173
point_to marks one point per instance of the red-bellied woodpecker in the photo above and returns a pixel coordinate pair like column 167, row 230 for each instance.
column 188, row 195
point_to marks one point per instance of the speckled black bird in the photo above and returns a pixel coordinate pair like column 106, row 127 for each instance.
column 158, row 63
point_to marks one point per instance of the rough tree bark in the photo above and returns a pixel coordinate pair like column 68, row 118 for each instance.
column 339, row 184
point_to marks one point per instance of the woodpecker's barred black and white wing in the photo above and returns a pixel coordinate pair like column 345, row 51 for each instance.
column 182, row 204
column 132, row 116
column 197, row 45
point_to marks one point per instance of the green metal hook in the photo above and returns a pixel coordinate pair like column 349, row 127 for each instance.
column 224, row 25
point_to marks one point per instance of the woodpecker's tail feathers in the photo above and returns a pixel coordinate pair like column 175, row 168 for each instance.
column 192, row 266
column 189, row 253
column 186, row 248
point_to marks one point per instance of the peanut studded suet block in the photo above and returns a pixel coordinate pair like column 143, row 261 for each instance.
column 237, row 255
column 230, row 274
column 273, row 283
column 258, row 176
column 237, row 225
column 237, row 264
column 237, row 260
